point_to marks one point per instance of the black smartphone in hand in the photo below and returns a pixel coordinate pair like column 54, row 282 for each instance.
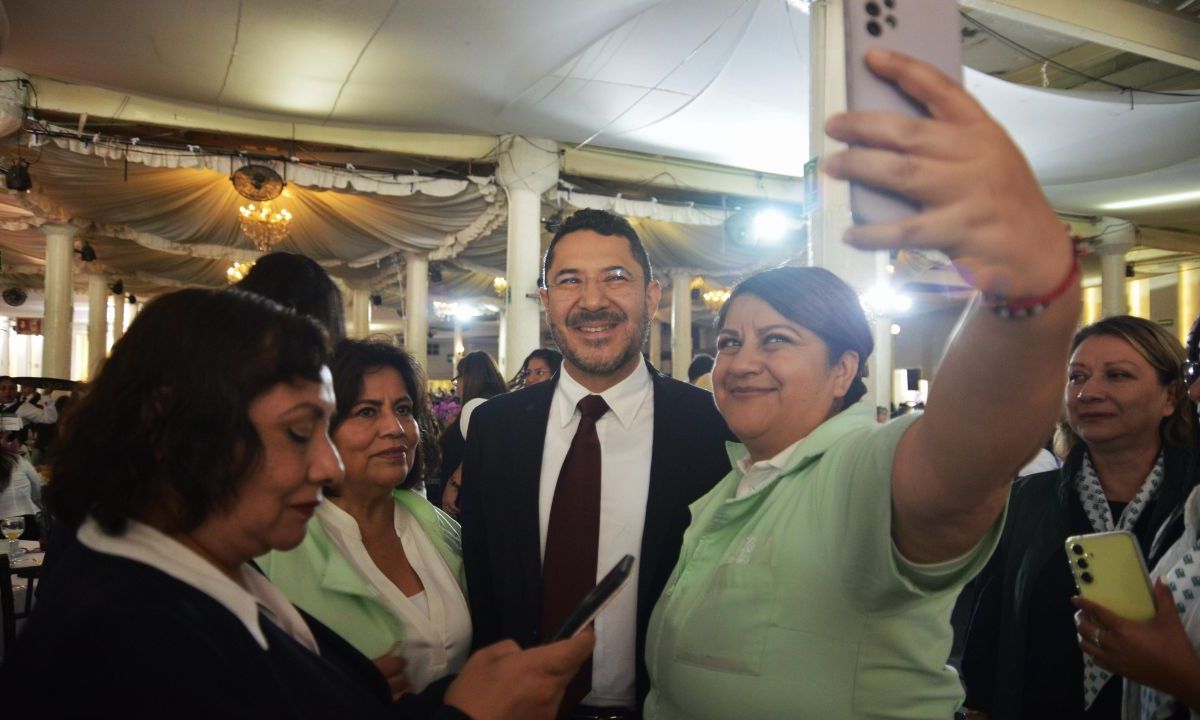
column 594, row 601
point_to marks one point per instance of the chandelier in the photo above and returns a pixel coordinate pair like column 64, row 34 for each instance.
column 500, row 286
column 714, row 299
column 263, row 226
column 237, row 271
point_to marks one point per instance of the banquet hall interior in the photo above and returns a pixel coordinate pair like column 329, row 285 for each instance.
column 424, row 152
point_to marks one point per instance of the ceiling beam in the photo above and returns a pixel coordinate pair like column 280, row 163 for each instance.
column 1147, row 31
column 632, row 168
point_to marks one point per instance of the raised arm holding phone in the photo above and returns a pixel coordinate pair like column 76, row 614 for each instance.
column 817, row 578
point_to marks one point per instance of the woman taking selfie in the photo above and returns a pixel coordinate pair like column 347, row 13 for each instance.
column 219, row 455
column 380, row 565
column 817, row 579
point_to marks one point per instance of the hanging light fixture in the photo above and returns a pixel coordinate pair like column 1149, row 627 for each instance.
column 265, row 227
column 237, row 271
column 714, row 299
column 500, row 285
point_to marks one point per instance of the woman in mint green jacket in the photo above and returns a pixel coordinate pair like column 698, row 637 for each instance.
column 380, row 565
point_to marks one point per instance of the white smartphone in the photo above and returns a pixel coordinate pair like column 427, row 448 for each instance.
column 1110, row 571
column 925, row 29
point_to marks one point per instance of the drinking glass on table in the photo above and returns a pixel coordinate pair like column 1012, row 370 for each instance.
column 13, row 527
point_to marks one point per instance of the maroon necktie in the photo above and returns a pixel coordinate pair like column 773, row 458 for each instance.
column 573, row 537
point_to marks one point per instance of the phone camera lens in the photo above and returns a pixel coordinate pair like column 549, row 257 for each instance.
column 889, row 4
column 1083, row 564
column 874, row 29
column 891, row 21
column 1085, row 577
column 1077, row 549
column 873, row 9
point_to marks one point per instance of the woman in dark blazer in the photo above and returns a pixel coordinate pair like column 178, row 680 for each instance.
column 1128, row 431
column 193, row 453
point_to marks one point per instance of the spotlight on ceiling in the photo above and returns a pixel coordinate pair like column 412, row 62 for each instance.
column 770, row 226
column 435, row 273
column 86, row 252
column 17, row 177
column 118, row 288
column 554, row 222
column 132, row 299
column 376, row 299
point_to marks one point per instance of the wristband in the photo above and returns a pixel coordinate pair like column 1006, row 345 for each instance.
column 1029, row 307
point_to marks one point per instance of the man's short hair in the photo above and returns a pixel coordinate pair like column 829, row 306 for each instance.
column 601, row 222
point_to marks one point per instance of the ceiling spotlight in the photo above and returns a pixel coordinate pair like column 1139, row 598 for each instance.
column 17, row 178
column 86, row 252
column 118, row 288
column 435, row 273
column 770, row 226
column 376, row 299
column 132, row 299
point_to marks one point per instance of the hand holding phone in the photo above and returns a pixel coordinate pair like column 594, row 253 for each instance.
column 924, row 29
column 595, row 601
column 1109, row 570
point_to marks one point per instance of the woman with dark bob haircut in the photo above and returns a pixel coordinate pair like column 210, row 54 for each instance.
column 203, row 443
column 404, row 587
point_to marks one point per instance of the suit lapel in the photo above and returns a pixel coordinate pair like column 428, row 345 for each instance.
column 663, row 498
column 525, row 446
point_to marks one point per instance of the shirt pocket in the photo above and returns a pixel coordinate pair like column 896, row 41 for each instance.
column 726, row 630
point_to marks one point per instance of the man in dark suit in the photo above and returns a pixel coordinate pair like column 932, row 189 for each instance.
column 562, row 479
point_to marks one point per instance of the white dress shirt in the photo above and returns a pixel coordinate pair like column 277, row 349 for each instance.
column 28, row 412
column 24, row 491
column 437, row 623
column 144, row 544
column 626, row 436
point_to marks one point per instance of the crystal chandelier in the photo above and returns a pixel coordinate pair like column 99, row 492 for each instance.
column 263, row 226
column 500, row 286
column 714, row 299
column 237, row 271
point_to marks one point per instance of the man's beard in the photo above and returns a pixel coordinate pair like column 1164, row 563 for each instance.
column 601, row 366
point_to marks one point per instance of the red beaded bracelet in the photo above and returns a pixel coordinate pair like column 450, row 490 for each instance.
column 1028, row 307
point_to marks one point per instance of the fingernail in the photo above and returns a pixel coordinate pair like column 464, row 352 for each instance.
column 877, row 54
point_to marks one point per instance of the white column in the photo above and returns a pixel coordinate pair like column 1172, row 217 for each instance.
column 118, row 330
column 527, row 168
column 831, row 219
column 502, row 342
column 416, row 305
column 459, row 348
column 361, row 309
column 1115, row 237
column 6, row 333
column 97, row 330
column 655, row 342
column 56, row 325
column 681, row 324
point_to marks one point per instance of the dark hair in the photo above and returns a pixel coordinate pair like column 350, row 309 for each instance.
column 164, row 428
column 352, row 360
column 299, row 283
column 552, row 358
column 8, row 462
column 821, row 302
column 600, row 222
column 702, row 364
column 1162, row 351
column 478, row 377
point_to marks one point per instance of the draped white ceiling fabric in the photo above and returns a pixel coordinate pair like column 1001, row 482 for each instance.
column 717, row 81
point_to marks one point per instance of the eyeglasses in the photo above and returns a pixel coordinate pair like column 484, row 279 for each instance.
column 1189, row 372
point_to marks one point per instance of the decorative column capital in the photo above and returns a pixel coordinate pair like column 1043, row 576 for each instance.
column 527, row 163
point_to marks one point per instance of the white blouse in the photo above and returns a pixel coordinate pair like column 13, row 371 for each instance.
column 437, row 623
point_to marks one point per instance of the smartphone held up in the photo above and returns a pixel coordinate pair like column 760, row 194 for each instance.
column 924, row 29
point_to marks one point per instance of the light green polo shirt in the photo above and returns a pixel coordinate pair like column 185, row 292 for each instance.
column 792, row 602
